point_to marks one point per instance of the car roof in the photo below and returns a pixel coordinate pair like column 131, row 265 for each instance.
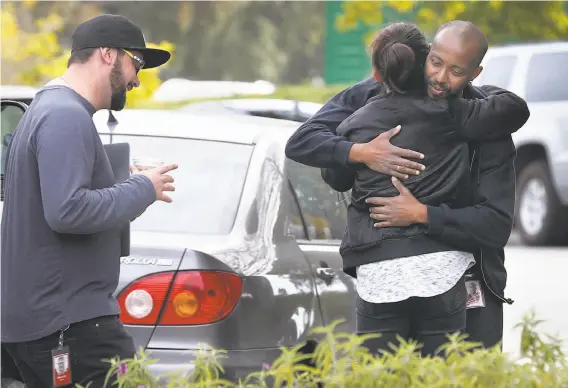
column 17, row 92
column 211, row 106
column 275, row 104
column 251, row 104
column 530, row 47
column 180, row 124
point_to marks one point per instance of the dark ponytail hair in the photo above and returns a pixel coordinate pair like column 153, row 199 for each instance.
column 399, row 54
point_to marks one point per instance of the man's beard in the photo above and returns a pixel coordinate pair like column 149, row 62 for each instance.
column 445, row 90
column 117, row 87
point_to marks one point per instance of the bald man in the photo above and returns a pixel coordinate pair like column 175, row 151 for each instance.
column 483, row 226
column 455, row 57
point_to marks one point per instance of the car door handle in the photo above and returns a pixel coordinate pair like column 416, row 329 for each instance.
column 325, row 273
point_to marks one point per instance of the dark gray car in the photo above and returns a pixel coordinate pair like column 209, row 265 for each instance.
column 246, row 257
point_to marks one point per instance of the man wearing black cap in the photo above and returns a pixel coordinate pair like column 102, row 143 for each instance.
column 63, row 214
column 109, row 38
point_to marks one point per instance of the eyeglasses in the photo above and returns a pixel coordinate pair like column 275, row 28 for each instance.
column 138, row 62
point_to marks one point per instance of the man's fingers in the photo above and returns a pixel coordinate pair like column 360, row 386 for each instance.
column 399, row 186
column 409, row 165
column 167, row 178
column 168, row 187
column 392, row 132
column 404, row 153
column 382, row 224
column 403, row 166
column 378, row 210
column 380, row 201
column 380, row 216
column 167, row 168
column 399, row 174
column 163, row 197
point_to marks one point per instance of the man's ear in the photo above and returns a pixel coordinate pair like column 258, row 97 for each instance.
column 476, row 73
column 377, row 76
column 107, row 55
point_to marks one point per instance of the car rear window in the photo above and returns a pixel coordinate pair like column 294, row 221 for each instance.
column 209, row 183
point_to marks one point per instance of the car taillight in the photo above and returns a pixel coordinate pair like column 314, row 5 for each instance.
column 193, row 298
column 141, row 302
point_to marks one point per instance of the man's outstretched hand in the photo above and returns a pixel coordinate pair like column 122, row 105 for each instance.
column 162, row 182
column 381, row 156
column 402, row 210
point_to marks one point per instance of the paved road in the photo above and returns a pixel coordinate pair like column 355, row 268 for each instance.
column 537, row 278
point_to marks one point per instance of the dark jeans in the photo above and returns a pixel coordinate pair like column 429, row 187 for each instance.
column 90, row 342
column 485, row 325
column 426, row 320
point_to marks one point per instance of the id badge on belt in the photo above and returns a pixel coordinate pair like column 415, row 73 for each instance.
column 61, row 363
column 475, row 295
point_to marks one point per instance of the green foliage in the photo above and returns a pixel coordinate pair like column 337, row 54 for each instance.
column 341, row 361
column 502, row 21
column 278, row 41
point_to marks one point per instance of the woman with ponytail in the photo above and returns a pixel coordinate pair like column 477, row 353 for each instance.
column 409, row 284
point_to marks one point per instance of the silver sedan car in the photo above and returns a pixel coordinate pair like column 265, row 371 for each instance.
column 245, row 259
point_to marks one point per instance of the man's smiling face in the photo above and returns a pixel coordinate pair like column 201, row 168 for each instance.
column 451, row 63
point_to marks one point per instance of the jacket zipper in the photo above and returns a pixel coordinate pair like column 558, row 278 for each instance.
column 506, row 300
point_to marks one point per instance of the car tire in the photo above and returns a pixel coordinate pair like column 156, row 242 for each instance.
column 540, row 216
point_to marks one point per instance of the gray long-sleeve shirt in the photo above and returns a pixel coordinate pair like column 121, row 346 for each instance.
column 61, row 219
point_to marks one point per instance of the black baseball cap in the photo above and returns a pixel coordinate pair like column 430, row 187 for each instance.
column 116, row 31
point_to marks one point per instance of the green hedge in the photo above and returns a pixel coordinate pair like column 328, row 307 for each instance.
column 340, row 361
column 288, row 92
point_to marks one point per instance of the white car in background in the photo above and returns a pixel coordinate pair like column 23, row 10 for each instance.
column 282, row 109
column 539, row 73
column 180, row 89
column 21, row 93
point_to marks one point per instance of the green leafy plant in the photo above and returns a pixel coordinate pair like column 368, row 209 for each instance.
column 341, row 361
column 502, row 21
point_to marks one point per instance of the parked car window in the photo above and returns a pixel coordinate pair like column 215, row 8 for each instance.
column 323, row 209
column 293, row 221
column 208, row 188
column 546, row 77
column 9, row 119
column 498, row 71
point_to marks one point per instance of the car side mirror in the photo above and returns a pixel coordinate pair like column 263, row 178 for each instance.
column 10, row 115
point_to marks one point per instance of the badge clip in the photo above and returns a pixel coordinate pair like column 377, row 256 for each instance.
column 61, row 363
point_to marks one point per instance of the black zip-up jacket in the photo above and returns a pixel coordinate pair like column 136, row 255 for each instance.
column 437, row 128
column 483, row 226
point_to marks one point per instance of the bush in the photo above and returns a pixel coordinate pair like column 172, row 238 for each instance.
column 340, row 360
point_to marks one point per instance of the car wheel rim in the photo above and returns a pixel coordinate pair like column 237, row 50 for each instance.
column 533, row 206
